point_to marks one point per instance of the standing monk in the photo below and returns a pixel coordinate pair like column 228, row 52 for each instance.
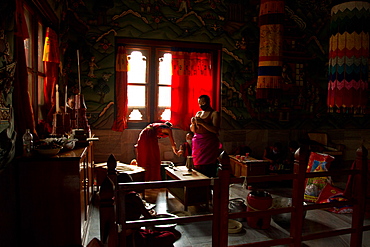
column 205, row 144
column 148, row 154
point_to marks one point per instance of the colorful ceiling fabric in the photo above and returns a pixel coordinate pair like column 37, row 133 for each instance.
column 348, row 58
column 271, row 21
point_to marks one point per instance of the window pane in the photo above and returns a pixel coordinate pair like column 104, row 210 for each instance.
column 166, row 115
column 40, row 47
column 135, row 114
column 136, row 96
column 30, row 87
column 136, row 68
column 40, row 90
column 164, row 96
column 165, row 69
column 28, row 42
column 40, row 97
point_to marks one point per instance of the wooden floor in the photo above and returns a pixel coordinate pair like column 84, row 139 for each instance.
column 200, row 234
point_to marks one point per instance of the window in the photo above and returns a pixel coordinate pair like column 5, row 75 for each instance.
column 150, row 95
column 34, row 47
column 148, row 83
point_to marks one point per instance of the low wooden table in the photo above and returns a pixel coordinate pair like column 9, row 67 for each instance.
column 188, row 195
column 249, row 167
column 136, row 172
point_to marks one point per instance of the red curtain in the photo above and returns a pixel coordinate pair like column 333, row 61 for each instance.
column 192, row 76
column 23, row 112
column 120, row 121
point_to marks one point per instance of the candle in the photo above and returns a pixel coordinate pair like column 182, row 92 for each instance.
column 65, row 100
column 57, row 98
column 78, row 69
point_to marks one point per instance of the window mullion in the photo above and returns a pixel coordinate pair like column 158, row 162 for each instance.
column 152, row 85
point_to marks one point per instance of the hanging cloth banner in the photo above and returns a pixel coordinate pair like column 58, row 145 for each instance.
column 271, row 19
column 51, row 47
column 348, row 58
column 120, row 120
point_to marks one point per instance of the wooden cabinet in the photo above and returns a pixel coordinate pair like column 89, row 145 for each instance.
column 54, row 194
column 249, row 167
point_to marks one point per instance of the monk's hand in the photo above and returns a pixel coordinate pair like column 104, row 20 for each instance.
column 179, row 153
column 174, row 149
column 199, row 121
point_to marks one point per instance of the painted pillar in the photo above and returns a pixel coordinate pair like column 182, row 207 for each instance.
column 348, row 57
column 271, row 20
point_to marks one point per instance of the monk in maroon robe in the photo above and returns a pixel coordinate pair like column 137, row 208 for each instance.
column 148, row 154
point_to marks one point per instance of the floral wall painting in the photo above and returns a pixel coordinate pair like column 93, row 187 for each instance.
column 304, row 52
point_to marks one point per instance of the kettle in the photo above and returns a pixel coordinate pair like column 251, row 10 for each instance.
column 237, row 205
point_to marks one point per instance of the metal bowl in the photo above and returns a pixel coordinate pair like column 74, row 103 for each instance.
column 283, row 202
column 48, row 152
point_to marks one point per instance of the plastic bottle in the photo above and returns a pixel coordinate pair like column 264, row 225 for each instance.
column 27, row 142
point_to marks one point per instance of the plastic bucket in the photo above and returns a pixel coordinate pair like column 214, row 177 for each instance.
column 257, row 201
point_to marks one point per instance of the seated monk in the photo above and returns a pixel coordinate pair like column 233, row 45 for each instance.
column 139, row 237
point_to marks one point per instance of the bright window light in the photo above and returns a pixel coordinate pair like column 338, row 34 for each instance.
column 136, row 96
column 137, row 68
column 165, row 69
column 136, row 115
column 166, row 115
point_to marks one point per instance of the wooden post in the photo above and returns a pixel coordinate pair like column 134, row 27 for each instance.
column 107, row 210
column 300, row 166
column 107, row 213
column 359, row 192
column 220, row 203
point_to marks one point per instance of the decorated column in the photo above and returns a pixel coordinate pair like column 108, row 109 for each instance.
column 271, row 19
column 348, row 57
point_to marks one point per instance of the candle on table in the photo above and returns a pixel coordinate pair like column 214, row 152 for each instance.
column 78, row 69
column 65, row 100
column 57, row 98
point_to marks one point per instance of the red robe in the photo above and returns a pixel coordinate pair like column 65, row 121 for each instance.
column 148, row 155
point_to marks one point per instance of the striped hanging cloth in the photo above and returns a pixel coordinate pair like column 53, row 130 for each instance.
column 348, row 57
column 271, row 20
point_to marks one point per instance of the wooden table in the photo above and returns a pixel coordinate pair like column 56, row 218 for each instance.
column 249, row 167
column 188, row 195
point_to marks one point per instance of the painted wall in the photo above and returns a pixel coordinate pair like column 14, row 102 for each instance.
column 92, row 27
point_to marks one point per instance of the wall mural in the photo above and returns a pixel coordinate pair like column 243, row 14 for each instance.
column 7, row 133
column 91, row 27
